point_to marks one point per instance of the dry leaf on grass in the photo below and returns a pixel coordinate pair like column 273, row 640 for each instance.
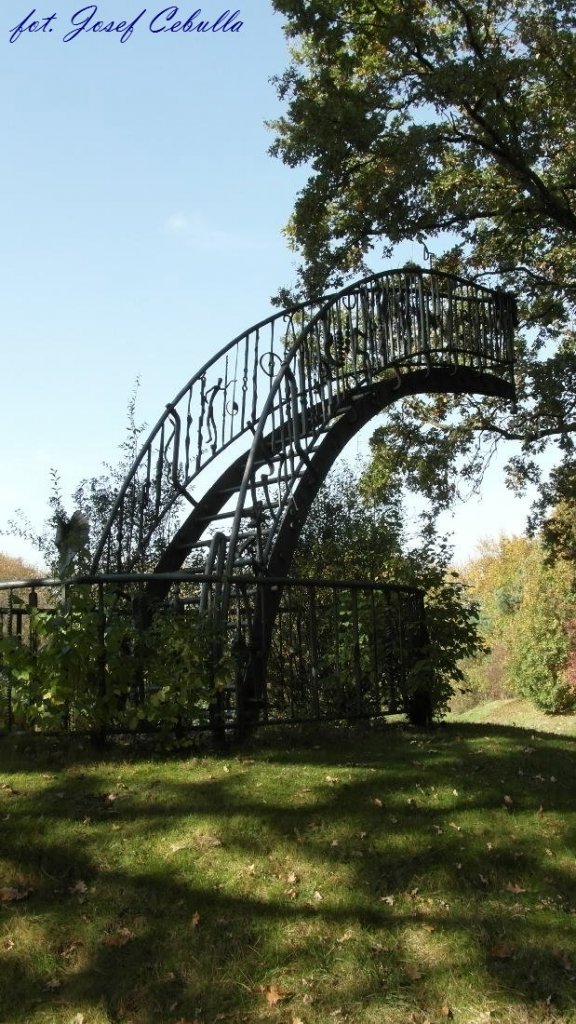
column 414, row 973
column 513, row 887
column 53, row 984
column 447, row 1013
column 8, row 894
column 195, row 919
column 273, row 994
column 79, row 888
column 120, row 937
column 501, row 951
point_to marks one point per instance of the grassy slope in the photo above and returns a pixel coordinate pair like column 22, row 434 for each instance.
column 517, row 712
column 377, row 878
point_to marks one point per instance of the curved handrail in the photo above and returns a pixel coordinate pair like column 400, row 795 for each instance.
column 351, row 337
column 385, row 322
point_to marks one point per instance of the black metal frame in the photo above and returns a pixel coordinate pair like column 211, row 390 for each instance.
column 246, row 444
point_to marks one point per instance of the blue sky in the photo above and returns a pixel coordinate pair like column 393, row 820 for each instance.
column 141, row 230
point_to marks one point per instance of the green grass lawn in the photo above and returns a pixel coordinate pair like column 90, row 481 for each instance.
column 368, row 877
column 518, row 712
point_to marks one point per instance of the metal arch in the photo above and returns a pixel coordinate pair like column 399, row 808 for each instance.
column 405, row 322
column 365, row 407
column 390, row 323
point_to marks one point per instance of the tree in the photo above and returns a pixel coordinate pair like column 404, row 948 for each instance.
column 528, row 620
column 418, row 118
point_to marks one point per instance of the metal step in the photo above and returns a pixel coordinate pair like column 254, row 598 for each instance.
column 249, row 513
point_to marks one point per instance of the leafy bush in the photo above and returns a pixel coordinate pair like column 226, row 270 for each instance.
column 543, row 648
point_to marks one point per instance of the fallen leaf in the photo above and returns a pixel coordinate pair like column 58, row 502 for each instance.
column 502, row 951
column 78, row 888
column 8, row 944
column 10, row 895
column 68, row 951
column 513, row 887
column 119, row 938
column 273, row 994
column 388, row 899
column 79, row 1019
column 53, row 984
column 428, row 927
column 377, row 802
column 508, row 801
column 111, row 797
column 456, row 827
column 317, row 896
column 195, row 919
column 292, row 878
column 345, row 937
column 447, row 1012
column 414, row 973
column 483, row 879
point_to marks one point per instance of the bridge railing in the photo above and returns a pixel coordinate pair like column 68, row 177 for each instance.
column 87, row 659
column 385, row 324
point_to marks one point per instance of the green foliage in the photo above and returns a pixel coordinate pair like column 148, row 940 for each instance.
column 89, row 664
column 542, row 645
column 527, row 610
column 417, row 119
column 356, row 531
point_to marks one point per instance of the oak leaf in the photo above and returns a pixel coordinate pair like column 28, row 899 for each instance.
column 273, row 994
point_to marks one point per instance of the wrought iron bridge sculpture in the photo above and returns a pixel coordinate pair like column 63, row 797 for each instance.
column 242, row 450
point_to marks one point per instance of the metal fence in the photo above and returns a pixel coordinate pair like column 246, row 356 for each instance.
column 338, row 650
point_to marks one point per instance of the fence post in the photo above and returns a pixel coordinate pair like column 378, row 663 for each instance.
column 101, row 729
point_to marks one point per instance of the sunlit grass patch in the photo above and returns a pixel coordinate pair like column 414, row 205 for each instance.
column 367, row 879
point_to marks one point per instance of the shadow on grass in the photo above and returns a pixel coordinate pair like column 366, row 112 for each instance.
column 376, row 875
